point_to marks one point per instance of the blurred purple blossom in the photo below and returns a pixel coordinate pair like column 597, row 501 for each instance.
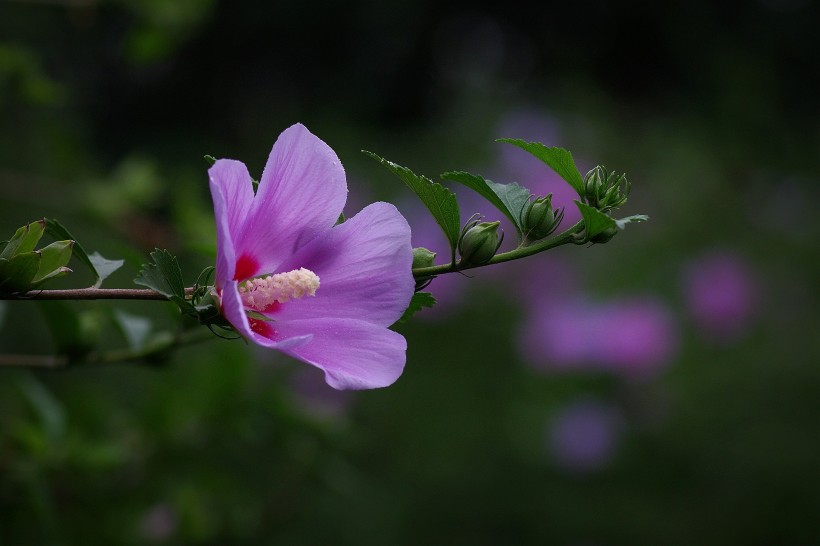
column 636, row 336
column 159, row 523
column 583, row 436
column 722, row 294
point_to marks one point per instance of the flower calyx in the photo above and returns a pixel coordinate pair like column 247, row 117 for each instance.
column 479, row 242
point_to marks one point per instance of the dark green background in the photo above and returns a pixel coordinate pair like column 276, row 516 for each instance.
column 106, row 109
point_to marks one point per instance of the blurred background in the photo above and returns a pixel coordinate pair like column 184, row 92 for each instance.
column 659, row 389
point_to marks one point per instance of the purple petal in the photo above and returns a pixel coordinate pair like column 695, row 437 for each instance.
column 354, row 354
column 364, row 266
column 232, row 194
column 302, row 193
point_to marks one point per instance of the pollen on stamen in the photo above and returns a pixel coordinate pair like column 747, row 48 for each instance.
column 262, row 292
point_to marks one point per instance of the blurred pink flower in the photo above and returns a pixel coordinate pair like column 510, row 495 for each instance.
column 636, row 337
column 583, row 436
column 722, row 294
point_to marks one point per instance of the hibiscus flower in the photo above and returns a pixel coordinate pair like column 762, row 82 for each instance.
column 289, row 278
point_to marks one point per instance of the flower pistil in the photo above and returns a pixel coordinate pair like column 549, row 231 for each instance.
column 262, row 292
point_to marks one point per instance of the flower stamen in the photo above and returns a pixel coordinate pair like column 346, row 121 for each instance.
column 262, row 292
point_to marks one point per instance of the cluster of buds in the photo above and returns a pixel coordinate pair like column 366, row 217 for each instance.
column 605, row 190
column 479, row 242
column 538, row 219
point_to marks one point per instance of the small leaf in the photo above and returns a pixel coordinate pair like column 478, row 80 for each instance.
column 16, row 274
column 53, row 260
column 25, row 239
column 622, row 223
column 164, row 275
column 419, row 301
column 595, row 221
column 341, row 219
column 103, row 267
column 558, row 159
column 440, row 201
column 209, row 159
column 508, row 198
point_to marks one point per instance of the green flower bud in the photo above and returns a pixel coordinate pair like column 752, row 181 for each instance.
column 605, row 190
column 605, row 236
column 423, row 258
column 479, row 243
column 539, row 219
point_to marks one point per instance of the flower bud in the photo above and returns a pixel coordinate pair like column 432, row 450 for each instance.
column 605, row 236
column 539, row 218
column 605, row 190
column 479, row 243
column 423, row 258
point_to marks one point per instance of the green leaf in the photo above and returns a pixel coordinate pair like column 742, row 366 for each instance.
column 419, row 301
column 164, row 275
column 53, row 260
column 134, row 328
column 440, row 201
column 595, row 221
column 209, row 159
column 341, row 219
column 103, row 267
column 16, row 274
column 558, row 159
column 622, row 223
column 25, row 239
column 508, row 198
column 59, row 232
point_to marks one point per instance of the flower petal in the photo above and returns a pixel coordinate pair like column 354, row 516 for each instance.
column 364, row 267
column 232, row 194
column 302, row 193
column 354, row 354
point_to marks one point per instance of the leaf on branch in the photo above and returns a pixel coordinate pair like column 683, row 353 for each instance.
column 595, row 221
column 164, row 275
column 508, row 198
column 106, row 267
column 440, row 201
column 623, row 222
column 25, row 239
column 419, row 301
column 103, row 267
column 53, row 260
column 558, row 159
column 17, row 273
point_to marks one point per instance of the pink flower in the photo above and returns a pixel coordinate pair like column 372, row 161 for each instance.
column 288, row 278
column 722, row 295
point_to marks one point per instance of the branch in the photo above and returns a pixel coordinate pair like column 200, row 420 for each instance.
column 91, row 294
column 516, row 254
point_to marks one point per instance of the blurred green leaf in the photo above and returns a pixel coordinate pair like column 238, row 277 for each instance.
column 164, row 275
column 135, row 329
column 46, row 405
column 508, row 198
column 595, row 221
column 558, row 159
column 74, row 333
column 419, row 301
column 440, row 201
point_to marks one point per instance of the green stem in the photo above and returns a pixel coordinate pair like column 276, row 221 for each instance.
column 515, row 254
